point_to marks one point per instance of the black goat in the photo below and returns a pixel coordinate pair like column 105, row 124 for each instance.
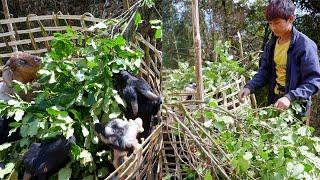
column 44, row 159
column 141, row 101
column 4, row 131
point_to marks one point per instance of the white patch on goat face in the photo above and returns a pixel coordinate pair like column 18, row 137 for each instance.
column 130, row 137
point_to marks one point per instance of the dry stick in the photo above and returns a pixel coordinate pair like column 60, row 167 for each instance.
column 198, row 135
column 204, row 131
column 205, row 143
column 190, row 162
column 173, row 144
column 176, row 151
column 188, row 115
column 10, row 28
column 213, row 158
column 190, row 134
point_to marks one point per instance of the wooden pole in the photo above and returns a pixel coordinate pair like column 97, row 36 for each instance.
column 197, row 49
column 10, row 27
column 126, row 4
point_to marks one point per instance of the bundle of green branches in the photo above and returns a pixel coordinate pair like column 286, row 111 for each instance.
column 262, row 143
column 74, row 93
column 76, row 89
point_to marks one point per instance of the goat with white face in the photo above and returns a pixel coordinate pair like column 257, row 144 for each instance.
column 191, row 90
column 21, row 67
column 121, row 136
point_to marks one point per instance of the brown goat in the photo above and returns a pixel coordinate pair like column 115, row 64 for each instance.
column 21, row 67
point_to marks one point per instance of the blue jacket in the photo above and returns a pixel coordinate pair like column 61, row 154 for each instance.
column 302, row 73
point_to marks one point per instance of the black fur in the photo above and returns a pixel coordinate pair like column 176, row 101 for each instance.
column 4, row 131
column 44, row 159
column 116, row 139
column 135, row 90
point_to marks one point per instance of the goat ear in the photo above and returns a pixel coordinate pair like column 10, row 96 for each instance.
column 7, row 75
column 150, row 95
column 140, row 123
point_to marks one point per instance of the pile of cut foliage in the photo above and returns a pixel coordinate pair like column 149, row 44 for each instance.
column 74, row 93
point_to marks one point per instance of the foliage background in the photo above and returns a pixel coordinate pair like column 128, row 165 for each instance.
column 220, row 20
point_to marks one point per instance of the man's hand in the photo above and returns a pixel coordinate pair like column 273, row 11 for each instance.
column 243, row 93
column 283, row 103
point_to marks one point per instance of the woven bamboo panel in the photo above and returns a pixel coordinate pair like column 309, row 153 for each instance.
column 142, row 163
column 227, row 96
column 185, row 148
column 40, row 29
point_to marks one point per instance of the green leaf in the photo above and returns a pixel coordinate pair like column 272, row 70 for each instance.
column 33, row 128
column 114, row 115
column 54, row 110
column 24, row 142
column 103, row 172
column 247, row 156
column 85, row 131
column 243, row 164
column 7, row 170
column 52, row 78
column 64, row 173
column 219, row 125
column 213, row 103
column 155, row 21
column 85, row 157
column 118, row 98
column 264, row 155
column 158, row 34
column 120, row 41
column 4, row 146
column 207, row 176
column 168, row 177
column 137, row 19
column 75, row 151
column 18, row 114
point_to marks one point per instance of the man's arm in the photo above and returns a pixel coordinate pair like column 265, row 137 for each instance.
column 310, row 72
column 260, row 79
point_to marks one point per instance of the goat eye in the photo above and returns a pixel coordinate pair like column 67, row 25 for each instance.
column 22, row 62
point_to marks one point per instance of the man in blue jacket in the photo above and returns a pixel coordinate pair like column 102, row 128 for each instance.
column 289, row 64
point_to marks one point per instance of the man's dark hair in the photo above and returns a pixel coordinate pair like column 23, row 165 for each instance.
column 279, row 9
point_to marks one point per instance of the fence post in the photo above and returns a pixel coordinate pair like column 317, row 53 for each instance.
column 197, row 49
column 10, row 27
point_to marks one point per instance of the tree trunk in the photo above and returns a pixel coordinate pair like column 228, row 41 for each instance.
column 197, row 49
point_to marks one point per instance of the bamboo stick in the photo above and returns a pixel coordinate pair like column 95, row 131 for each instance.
column 10, row 27
column 197, row 49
